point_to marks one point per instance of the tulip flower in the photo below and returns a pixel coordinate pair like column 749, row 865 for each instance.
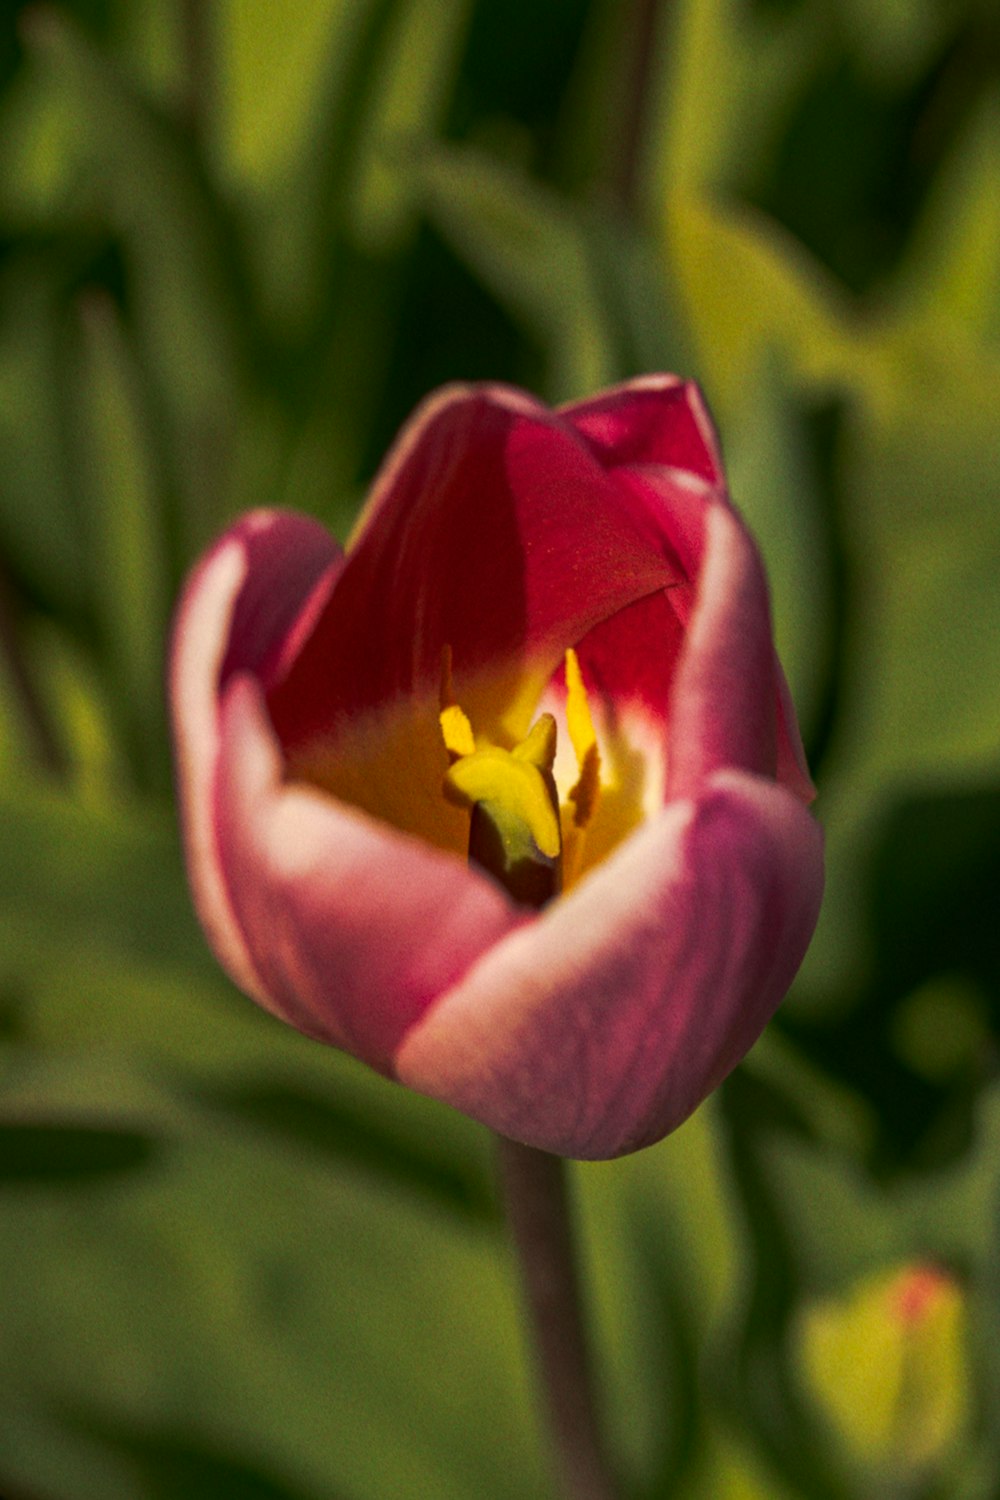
column 547, row 646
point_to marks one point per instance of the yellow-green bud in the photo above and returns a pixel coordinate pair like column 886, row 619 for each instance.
column 886, row 1366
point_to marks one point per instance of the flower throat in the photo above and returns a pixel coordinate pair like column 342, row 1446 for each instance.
column 518, row 833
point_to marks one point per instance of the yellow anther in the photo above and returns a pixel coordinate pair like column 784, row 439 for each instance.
column 581, row 732
column 539, row 748
column 457, row 731
column 514, row 788
column 515, row 832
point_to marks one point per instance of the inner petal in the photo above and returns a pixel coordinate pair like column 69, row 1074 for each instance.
column 493, row 530
column 496, row 531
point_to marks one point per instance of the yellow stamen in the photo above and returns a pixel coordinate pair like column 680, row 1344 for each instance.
column 518, row 832
column 514, row 786
column 584, row 794
column 457, row 731
column 539, row 748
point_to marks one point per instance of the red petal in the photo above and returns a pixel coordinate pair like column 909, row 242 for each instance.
column 657, row 419
column 494, row 530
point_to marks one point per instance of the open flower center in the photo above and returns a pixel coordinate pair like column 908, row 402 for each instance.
column 518, row 830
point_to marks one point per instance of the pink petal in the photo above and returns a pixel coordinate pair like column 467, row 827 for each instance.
column 633, row 655
column 681, row 509
column 723, row 710
column 600, row 1027
column 492, row 530
column 657, row 419
column 354, row 929
column 236, row 610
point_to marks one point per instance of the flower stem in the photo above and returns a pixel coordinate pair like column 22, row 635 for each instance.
column 538, row 1209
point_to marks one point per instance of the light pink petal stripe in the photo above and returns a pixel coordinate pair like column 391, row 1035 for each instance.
column 236, row 608
column 600, row 1027
column 354, row 928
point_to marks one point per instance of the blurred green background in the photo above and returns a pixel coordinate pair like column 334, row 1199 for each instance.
column 239, row 239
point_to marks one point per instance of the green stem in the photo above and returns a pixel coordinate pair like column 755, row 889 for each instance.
column 538, row 1210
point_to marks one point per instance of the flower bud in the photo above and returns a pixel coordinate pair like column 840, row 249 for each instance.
column 886, row 1365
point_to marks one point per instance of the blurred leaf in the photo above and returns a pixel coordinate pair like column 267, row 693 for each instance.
column 660, row 1245
column 39, row 128
column 33, row 1152
column 776, row 475
column 738, row 1474
column 149, row 38
column 952, row 270
column 40, row 530
column 941, row 1031
column 750, row 292
column 75, row 703
column 641, row 311
column 178, row 1468
column 328, row 297
column 533, row 254
column 124, row 505
column 295, row 227
column 278, row 1309
column 102, row 954
column 918, row 1037
column 416, row 72
column 278, row 63
column 185, row 279
column 751, row 1359
column 295, row 1110
column 925, row 639
column 896, row 37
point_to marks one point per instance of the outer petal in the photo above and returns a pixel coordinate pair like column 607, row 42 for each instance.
column 723, row 704
column 658, row 437
column 601, row 1026
column 236, row 611
column 354, row 929
column 657, row 419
